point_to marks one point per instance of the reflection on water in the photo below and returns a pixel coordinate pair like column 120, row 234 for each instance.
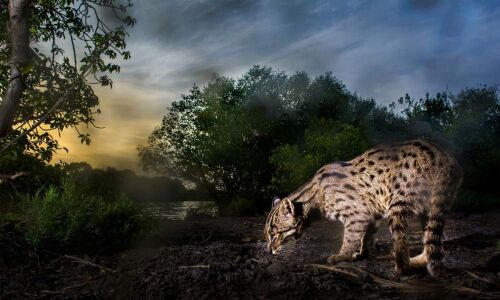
column 180, row 209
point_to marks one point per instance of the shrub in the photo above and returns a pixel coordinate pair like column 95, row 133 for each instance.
column 64, row 217
column 325, row 141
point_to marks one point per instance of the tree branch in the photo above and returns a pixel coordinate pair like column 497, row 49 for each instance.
column 11, row 177
column 36, row 124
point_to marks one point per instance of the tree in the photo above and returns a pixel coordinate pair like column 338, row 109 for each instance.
column 223, row 136
column 468, row 123
column 265, row 133
column 48, row 88
column 326, row 141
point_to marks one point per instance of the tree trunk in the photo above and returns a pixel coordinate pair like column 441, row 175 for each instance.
column 19, row 42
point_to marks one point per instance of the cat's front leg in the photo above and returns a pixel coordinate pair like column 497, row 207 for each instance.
column 351, row 249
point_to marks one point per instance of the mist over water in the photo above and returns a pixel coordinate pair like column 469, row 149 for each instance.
column 180, row 210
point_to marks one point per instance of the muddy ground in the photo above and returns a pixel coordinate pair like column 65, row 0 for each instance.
column 224, row 258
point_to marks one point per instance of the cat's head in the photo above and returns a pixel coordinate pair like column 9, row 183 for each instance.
column 283, row 223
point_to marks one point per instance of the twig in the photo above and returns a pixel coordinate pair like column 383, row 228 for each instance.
column 64, row 290
column 426, row 286
column 421, row 287
column 195, row 267
column 206, row 239
column 89, row 263
column 473, row 275
column 12, row 177
column 334, row 269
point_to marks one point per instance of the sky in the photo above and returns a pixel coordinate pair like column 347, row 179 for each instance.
column 380, row 49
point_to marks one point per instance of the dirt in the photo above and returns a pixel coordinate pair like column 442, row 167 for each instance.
column 225, row 258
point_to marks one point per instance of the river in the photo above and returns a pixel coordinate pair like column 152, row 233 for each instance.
column 179, row 210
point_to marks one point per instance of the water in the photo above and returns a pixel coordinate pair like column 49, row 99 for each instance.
column 179, row 210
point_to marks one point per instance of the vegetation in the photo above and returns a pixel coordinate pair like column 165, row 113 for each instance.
column 249, row 138
column 41, row 69
column 64, row 217
column 110, row 182
column 51, row 56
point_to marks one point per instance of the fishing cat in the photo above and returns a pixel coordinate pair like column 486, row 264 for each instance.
column 392, row 181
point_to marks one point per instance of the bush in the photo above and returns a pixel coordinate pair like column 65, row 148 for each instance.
column 325, row 141
column 64, row 217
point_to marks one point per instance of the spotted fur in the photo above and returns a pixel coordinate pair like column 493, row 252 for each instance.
column 395, row 182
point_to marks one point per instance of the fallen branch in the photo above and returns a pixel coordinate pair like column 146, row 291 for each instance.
column 195, row 267
column 475, row 276
column 419, row 287
column 11, row 177
column 89, row 263
column 64, row 290
column 334, row 269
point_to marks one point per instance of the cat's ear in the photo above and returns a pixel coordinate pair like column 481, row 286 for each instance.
column 276, row 199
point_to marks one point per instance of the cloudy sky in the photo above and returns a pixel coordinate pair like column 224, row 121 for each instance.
column 380, row 49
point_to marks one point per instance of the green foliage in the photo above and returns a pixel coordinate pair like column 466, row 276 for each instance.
column 64, row 217
column 246, row 139
column 325, row 141
column 222, row 136
column 469, row 123
column 58, row 71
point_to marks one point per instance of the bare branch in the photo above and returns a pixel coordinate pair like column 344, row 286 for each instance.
column 11, row 177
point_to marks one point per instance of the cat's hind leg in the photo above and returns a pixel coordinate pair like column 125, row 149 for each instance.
column 398, row 214
column 420, row 261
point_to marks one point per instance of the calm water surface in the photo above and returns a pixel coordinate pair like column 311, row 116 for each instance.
column 180, row 209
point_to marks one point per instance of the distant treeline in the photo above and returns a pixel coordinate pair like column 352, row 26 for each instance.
column 108, row 183
column 249, row 138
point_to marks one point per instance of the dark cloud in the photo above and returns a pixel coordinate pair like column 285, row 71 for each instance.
column 371, row 45
column 380, row 49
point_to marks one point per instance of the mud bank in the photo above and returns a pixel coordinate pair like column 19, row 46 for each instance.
column 225, row 258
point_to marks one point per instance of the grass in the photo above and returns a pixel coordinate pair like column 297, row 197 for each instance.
column 64, row 217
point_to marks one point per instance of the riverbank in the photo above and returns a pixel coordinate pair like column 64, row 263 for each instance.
column 225, row 258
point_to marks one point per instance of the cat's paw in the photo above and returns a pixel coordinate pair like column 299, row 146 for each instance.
column 401, row 270
column 360, row 256
column 337, row 258
column 438, row 273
